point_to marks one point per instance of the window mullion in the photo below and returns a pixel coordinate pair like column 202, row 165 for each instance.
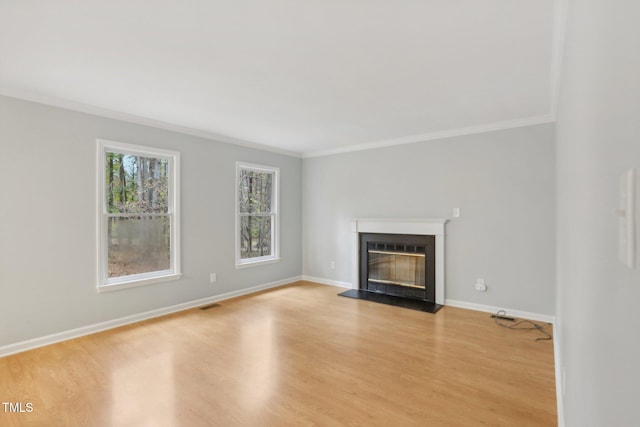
column 133, row 215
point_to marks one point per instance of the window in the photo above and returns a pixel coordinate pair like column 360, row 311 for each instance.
column 138, row 215
column 257, row 214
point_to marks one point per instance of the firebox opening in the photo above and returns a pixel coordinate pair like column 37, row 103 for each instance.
column 398, row 265
column 393, row 264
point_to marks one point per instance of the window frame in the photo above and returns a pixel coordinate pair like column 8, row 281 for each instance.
column 275, row 221
column 104, row 283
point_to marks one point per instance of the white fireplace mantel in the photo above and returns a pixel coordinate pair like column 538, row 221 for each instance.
column 429, row 227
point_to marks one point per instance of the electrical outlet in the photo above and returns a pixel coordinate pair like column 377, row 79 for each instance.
column 213, row 277
column 481, row 286
column 332, row 264
column 456, row 212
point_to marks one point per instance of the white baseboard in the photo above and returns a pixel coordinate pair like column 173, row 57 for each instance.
column 510, row 312
column 453, row 303
column 110, row 324
column 330, row 282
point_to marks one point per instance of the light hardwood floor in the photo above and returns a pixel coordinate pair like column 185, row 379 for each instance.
column 296, row 355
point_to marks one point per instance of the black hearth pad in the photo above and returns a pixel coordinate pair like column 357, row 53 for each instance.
column 413, row 304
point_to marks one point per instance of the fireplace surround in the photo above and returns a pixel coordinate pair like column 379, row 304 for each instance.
column 404, row 246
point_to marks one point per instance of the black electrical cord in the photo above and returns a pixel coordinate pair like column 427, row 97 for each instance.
column 528, row 324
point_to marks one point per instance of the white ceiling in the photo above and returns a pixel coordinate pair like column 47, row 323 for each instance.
column 307, row 77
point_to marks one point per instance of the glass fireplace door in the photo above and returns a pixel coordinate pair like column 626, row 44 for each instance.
column 402, row 265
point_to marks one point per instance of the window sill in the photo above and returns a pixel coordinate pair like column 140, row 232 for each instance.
column 256, row 263
column 134, row 283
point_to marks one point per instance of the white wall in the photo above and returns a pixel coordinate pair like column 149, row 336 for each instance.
column 598, row 138
column 48, row 220
column 503, row 182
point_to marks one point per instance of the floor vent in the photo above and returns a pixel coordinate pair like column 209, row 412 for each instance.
column 207, row 307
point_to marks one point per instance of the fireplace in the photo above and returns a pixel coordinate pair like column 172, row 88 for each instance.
column 401, row 265
column 399, row 262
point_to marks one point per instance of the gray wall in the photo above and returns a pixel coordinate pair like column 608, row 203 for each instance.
column 503, row 182
column 48, row 220
column 598, row 139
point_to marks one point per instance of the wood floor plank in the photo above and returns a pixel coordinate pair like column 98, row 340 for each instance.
column 295, row 355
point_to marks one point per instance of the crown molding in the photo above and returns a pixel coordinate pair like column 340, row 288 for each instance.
column 158, row 124
column 79, row 107
column 411, row 139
